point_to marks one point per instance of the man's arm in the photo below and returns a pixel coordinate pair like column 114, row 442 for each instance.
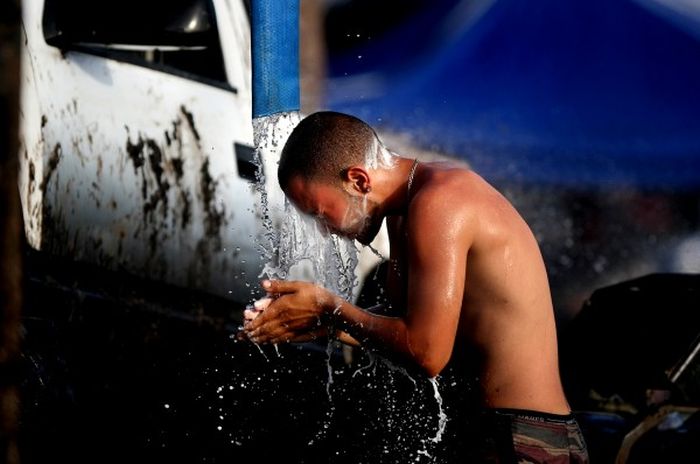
column 251, row 313
column 439, row 239
column 438, row 243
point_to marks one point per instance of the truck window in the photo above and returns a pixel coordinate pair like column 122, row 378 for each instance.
column 178, row 36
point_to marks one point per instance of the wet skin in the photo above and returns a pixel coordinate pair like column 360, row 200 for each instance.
column 466, row 271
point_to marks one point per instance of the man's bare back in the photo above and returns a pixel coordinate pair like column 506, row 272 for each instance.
column 506, row 319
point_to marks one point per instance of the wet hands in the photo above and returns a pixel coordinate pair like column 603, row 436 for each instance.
column 294, row 311
column 253, row 311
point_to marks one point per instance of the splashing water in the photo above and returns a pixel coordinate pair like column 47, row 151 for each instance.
column 329, row 382
column 442, row 417
column 376, row 253
column 262, row 352
column 401, row 370
column 370, row 364
column 378, row 156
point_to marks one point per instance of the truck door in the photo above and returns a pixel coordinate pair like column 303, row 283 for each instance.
column 137, row 139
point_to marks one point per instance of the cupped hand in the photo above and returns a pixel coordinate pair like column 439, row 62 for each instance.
column 251, row 312
column 295, row 313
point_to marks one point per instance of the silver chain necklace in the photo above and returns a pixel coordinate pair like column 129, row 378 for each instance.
column 410, row 178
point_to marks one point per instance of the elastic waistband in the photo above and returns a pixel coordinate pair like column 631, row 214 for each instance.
column 532, row 415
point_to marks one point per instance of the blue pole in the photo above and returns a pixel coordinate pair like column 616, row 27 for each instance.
column 275, row 53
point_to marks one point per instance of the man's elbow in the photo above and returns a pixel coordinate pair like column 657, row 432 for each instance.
column 432, row 364
column 429, row 356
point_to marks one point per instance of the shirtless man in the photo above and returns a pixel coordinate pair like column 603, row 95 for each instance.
column 467, row 276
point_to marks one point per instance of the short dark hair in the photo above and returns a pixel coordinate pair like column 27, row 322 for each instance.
column 323, row 145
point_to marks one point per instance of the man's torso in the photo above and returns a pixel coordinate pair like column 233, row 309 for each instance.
column 506, row 322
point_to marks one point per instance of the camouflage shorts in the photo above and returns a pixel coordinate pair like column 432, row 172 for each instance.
column 524, row 437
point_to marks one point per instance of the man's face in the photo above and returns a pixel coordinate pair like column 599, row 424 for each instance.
column 341, row 213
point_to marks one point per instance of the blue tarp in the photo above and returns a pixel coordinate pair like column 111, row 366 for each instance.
column 578, row 93
column 275, row 56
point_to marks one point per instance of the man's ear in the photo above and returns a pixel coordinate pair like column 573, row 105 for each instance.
column 358, row 179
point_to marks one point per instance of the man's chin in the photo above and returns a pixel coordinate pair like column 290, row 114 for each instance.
column 353, row 236
column 367, row 236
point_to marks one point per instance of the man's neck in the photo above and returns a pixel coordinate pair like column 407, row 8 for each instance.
column 392, row 187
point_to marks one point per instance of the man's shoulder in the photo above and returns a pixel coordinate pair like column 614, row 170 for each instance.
column 444, row 200
column 445, row 189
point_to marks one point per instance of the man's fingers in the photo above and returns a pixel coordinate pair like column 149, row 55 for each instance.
column 264, row 328
column 280, row 286
column 250, row 315
column 267, row 334
column 262, row 317
column 262, row 303
column 309, row 336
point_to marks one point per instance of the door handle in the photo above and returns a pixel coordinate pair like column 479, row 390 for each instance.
column 245, row 160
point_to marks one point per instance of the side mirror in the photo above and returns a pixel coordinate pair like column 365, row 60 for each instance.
column 129, row 24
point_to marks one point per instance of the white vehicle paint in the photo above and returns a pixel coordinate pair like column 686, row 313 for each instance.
column 137, row 169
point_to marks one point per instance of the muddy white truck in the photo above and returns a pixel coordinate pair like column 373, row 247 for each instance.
column 136, row 139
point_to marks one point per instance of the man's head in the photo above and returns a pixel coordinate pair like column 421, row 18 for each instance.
column 324, row 171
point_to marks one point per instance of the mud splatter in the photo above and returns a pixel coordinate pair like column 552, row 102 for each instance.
column 177, row 167
column 32, row 177
column 135, row 152
column 175, row 137
column 186, row 215
column 155, row 159
column 214, row 218
column 31, row 185
column 160, row 195
column 190, row 121
column 51, row 166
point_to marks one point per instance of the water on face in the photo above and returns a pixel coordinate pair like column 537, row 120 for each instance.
column 293, row 246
